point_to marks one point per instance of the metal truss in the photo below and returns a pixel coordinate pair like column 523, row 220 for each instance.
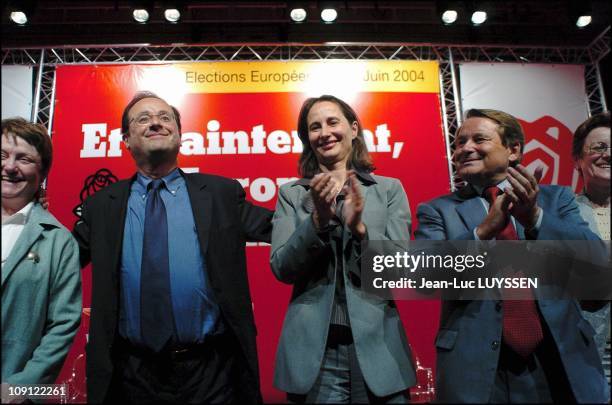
column 119, row 54
column 596, row 101
column 44, row 98
column 45, row 60
column 600, row 46
column 592, row 76
column 451, row 107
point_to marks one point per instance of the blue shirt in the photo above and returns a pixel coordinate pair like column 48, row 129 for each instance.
column 196, row 313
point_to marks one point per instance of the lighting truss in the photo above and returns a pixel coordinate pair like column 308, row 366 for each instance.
column 45, row 60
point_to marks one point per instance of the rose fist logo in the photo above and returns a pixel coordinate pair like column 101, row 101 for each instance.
column 92, row 184
column 548, row 143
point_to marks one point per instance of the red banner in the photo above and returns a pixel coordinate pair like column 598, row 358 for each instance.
column 247, row 130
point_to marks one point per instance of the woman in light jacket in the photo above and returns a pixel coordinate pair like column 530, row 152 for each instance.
column 591, row 152
column 338, row 343
column 41, row 279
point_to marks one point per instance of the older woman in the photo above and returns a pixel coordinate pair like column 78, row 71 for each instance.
column 41, row 281
column 337, row 344
column 591, row 152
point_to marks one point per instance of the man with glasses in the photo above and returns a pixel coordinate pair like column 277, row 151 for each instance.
column 171, row 313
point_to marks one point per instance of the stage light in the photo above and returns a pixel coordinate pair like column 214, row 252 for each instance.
column 329, row 15
column 449, row 16
column 583, row 21
column 141, row 15
column 298, row 14
column 479, row 17
column 19, row 17
column 581, row 12
column 449, row 10
column 172, row 15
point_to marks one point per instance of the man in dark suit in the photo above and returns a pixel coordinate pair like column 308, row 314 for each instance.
column 532, row 350
column 171, row 312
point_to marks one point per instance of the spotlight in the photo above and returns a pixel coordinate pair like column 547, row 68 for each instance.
column 449, row 17
column 479, row 17
column 298, row 14
column 581, row 12
column 583, row 21
column 172, row 15
column 19, row 17
column 329, row 15
column 141, row 15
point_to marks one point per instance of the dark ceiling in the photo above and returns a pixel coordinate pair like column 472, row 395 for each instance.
column 529, row 22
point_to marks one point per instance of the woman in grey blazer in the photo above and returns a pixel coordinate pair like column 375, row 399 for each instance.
column 338, row 344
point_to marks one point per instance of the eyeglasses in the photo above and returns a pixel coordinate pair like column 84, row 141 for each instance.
column 146, row 119
column 598, row 148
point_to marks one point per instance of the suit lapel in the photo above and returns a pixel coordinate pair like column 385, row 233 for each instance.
column 469, row 207
column 117, row 205
column 471, row 212
column 31, row 233
column 201, row 205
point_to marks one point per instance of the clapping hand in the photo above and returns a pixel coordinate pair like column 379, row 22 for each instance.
column 496, row 220
column 324, row 189
column 523, row 195
column 518, row 200
column 353, row 207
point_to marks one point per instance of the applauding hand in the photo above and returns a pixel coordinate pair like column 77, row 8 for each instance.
column 353, row 207
column 324, row 190
column 523, row 195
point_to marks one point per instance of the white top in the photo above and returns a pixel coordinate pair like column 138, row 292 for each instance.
column 602, row 219
column 12, row 228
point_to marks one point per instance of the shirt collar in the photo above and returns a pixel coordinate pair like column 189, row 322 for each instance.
column 502, row 185
column 20, row 217
column 365, row 177
column 172, row 180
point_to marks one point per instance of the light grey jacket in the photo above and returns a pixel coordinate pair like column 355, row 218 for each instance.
column 600, row 319
column 41, row 301
column 300, row 257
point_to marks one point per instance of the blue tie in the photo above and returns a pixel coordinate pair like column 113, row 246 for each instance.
column 156, row 318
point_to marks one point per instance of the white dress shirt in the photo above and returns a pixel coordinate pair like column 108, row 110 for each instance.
column 12, row 228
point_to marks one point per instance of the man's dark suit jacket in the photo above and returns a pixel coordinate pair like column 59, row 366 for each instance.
column 224, row 221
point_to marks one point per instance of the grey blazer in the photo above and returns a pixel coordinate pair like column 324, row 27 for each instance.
column 300, row 257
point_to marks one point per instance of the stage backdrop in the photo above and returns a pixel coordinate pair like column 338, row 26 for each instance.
column 239, row 120
column 17, row 91
column 549, row 100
